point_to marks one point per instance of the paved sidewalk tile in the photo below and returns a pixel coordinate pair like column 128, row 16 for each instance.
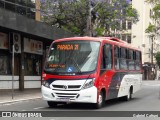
column 151, row 82
column 6, row 96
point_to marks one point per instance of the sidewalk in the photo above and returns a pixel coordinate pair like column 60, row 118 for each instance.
column 31, row 94
column 27, row 94
column 151, row 82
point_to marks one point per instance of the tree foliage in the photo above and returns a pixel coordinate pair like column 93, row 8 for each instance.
column 72, row 15
column 151, row 30
column 154, row 28
column 156, row 10
column 157, row 56
column 152, row 1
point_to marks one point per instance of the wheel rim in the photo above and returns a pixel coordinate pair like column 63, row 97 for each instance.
column 129, row 95
column 100, row 99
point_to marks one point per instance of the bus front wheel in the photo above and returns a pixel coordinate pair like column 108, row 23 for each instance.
column 100, row 102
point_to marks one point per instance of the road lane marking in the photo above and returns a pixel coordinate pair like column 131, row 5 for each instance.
column 38, row 108
column 23, row 110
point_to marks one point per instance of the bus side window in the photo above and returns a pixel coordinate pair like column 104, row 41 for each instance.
column 107, row 57
column 131, row 60
column 116, row 57
column 138, row 60
column 123, row 57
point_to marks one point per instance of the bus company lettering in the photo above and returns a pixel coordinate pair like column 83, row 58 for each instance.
column 68, row 47
column 130, row 79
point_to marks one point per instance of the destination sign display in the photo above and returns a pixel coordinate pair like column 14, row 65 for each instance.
column 68, row 47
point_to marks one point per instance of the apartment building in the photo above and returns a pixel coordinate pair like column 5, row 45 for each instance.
column 141, row 39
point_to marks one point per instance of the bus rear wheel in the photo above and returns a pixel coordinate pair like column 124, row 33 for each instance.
column 52, row 104
column 100, row 102
column 129, row 96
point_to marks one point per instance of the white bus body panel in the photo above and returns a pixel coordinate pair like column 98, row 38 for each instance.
column 134, row 80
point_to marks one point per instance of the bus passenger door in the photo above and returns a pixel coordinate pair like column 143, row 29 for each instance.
column 106, row 67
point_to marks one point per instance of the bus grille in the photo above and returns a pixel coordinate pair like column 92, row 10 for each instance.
column 66, row 87
column 67, row 95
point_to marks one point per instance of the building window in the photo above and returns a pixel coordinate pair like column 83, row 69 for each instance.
column 21, row 10
column 10, row 6
column 129, row 25
column 129, row 38
column 5, row 68
column 21, row 2
column 124, row 25
column 2, row 4
column 32, row 64
column 31, row 13
column 124, row 37
column 23, row 7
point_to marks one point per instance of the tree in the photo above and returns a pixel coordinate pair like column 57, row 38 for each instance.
column 73, row 15
column 65, row 14
column 157, row 56
column 112, row 15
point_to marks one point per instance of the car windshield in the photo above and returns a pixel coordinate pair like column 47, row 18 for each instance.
column 72, row 57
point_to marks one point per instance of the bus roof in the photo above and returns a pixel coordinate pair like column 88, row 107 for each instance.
column 111, row 40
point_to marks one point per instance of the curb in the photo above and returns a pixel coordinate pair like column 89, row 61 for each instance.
column 15, row 101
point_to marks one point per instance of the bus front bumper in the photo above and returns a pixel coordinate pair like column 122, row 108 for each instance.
column 83, row 96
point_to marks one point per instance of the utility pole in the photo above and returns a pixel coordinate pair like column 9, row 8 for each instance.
column 89, row 20
column 152, row 49
column 152, row 65
column 13, row 71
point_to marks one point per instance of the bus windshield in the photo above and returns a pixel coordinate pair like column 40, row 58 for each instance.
column 72, row 57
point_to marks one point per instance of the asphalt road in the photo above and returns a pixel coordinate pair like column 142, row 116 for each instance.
column 147, row 99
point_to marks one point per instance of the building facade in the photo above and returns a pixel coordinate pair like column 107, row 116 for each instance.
column 31, row 40
column 142, row 40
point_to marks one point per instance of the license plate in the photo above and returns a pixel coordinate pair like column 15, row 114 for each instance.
column 63, row 99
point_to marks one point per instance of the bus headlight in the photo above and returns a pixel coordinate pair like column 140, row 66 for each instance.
column 46, row 83
column 89, row 83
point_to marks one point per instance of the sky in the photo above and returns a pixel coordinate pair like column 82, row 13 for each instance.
column 33, row 1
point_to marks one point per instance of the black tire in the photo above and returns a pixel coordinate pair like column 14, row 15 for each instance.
column 101, row 101
column 52, row 104
column 129, row 96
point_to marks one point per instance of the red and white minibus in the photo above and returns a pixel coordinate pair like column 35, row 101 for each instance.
column 90, row 70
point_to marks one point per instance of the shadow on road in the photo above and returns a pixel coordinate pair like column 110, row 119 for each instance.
column 85, row 106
